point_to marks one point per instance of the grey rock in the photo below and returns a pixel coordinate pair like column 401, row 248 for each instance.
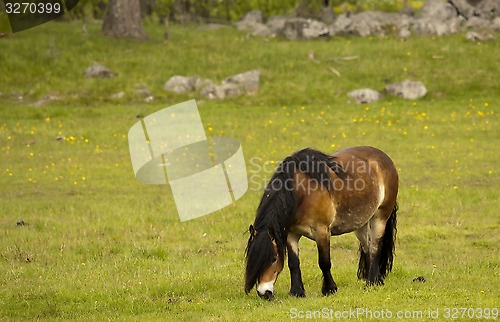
column 99, row 71
column 477, row 23
column 326, row 15
column 341, row 25
column 369, row 23
column 301, row 28
column 211, row 90
column 262, row 30
column 476, row 36
column 437, row 17
column 404, row 33
column 438, row 10
column 495, row 24
column 441, row 18
column 231, row 89
column 251, row 19
column 181, row 84
column 197, row 82
column 365, row 95
column 142, row 90
column 277, row 23
column 254, row 16
column 464, row 7
column 407, row 89
column 427, row 26
column 249, row 81
column 214, row 91
column 315, row 29
column 487, row 9
column 118, row 96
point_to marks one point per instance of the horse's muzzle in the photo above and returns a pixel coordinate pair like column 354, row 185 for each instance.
column 268, row 295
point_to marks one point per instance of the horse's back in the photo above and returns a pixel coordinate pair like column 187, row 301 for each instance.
column 367, row 153
column 369, row 182
column 375, row 158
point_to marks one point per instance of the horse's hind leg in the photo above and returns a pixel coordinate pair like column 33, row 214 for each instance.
column 375, row 232
column 323, row 242
column 364, row 252
column 297, row 287
column 370, row 237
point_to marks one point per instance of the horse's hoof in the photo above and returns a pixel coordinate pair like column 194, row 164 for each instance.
column 298, row 293
column 376, row 282
column 329, row 291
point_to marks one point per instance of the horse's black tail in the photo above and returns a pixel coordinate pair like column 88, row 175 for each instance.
column 364, row 264
column 388, row 245
column 386, row 248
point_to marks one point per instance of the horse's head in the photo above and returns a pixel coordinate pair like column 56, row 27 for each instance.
column 264, row 262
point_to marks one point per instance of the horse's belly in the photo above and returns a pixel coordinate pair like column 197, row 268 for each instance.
column 349, row 219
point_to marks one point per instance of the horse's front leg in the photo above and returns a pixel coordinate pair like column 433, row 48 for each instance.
column 297, row 287
column 323, row 243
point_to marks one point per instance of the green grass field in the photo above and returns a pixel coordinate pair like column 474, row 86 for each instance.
column 99, row 245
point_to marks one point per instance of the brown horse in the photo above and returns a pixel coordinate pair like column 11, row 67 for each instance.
column 317, row 195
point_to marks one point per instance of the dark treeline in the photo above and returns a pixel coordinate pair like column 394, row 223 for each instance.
column 184, row 11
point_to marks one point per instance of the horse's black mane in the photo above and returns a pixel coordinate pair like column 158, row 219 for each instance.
column 277, row 208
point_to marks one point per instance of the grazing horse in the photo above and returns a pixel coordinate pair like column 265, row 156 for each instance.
column 317, row 195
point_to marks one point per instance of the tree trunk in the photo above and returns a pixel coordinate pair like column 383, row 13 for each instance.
column 123, row 20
